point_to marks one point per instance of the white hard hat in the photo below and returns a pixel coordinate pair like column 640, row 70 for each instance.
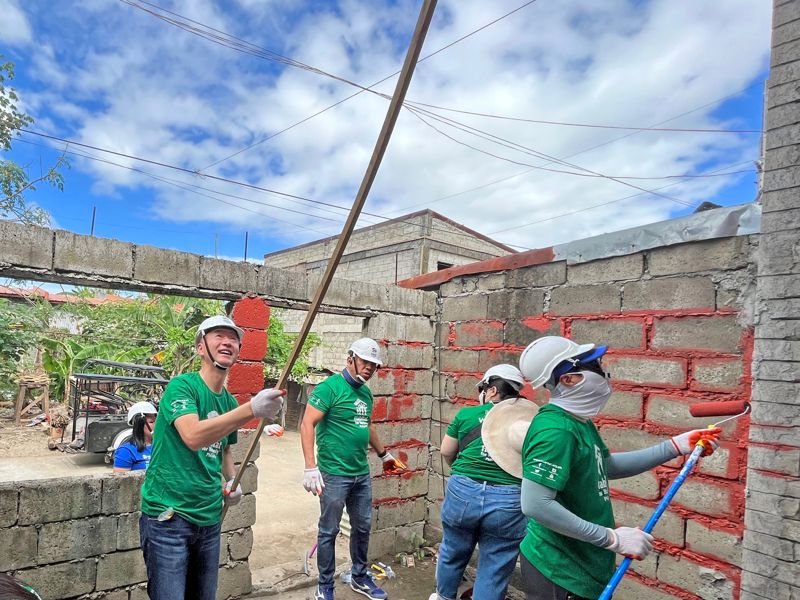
column 367, row 349
column 140, row 408
column 509, row 373
column 216, row 322
column 542, row 356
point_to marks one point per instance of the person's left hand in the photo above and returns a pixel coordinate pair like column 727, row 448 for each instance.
column 391, row 464
column 274, row 430
column 686, row 442
column 232, row 497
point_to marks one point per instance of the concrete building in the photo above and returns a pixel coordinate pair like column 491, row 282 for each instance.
column 388, row 252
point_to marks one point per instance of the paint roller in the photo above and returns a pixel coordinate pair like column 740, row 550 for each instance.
column 730, row 409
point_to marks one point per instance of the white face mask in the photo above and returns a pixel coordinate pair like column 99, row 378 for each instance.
column 586, row 398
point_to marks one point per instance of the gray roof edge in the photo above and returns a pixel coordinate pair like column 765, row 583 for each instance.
column 741, row 219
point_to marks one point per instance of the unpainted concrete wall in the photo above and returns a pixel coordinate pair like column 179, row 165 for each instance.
column 771, row 561
column 678, row 320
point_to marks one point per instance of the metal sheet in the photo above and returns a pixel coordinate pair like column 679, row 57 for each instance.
column 742, row 219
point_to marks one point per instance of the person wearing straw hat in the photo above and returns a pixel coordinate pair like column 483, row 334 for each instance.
column 183, row 490
column 569, row 549
column 482, row 502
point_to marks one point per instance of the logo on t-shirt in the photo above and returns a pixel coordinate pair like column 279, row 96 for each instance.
column 361, row 419
column 214, row 449
column 602, row 478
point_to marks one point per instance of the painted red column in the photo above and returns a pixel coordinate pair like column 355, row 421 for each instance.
column 246, row 377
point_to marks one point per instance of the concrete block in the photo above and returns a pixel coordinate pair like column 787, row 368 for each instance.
column 18, row 548
column 773, row 484
column 674, row 412
column 382, row 543
column 516, row 304
column 491, row 282
column 234, row 581
column 128, row 531
column 469, row 334
column 636, row 589
column 92, row 255
column 623, row 439
column 394, row 433
column 718, row 333
column 771, row 524
column 717, row 374
column 783, row 571
column 585, row 299
column 465, row 308
column 670, row 527
column 385, row 489
column 777, row 350
column 249, row 480
column 778, row 287
column 780, row 95
column 773, row 370
column 395, row 328
column 409, row 357
column 669, row 293
column 68, row 540
column 646, row 567
column 239, row 449
column 785, row 461
column 120, row 569
column 240, row 544
column 9, row 500
column 44, row 501
column 617, row 268
column 722, row 254
column 778, row 138
column 157, row 265
column 773, row 504
column 409, row 537
column 521, row 332
column 625, row 405
column 784, row 12
column 26, row 245
column 122, row 492
column 395, row 514
column 413, row 484
column 785, row 73
column 242, row 515
column 351, row 293
column 280, row 283
column 707, row 498
column 768, row 545
column 663, row 372
column 617, row 333
column 781, row 415
column 228, row 275
column 788, row 177
column 63, row 580
column 490, row 358
column 458, row 361
column 779, row 253
column 756, row 587
column 390, row 381
column 544, row 275
column 643, row 486
column 723, row 463
column 411, row 302
column 703, row 580
column 786, row 436
column 718, row 543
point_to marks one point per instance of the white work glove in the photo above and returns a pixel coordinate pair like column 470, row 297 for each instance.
column 631, row 542
column 685, row 443
column 232, row 498
column 274, row 430
column 266, row 404
column 312, row 481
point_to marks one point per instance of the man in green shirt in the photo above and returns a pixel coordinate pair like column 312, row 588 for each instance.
column 568, row 551
column 339, row 411
column 182, row 494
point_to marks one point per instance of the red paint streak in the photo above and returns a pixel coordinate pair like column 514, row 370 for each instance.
column 451, row 334
column 380, row 409
column 503, row 263
column 540, row 324
column 401, row 405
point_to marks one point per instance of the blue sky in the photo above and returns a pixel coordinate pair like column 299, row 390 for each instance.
column 106, row 74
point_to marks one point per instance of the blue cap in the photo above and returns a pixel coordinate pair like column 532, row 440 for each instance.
column 568, row 365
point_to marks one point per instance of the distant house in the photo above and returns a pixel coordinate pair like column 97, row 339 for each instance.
column 388, row 252
column 394, row 250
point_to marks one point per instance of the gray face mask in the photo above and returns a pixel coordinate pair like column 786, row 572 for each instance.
column 584, row 399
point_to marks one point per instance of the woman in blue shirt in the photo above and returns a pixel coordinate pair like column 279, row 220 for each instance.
column 134, row 455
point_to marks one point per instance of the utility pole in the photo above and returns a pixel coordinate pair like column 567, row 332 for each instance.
column 94, row 213
column 245, row 245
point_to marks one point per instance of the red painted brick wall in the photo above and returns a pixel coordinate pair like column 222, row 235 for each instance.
column 246, row 377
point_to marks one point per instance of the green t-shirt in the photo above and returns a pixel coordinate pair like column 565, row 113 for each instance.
column 343, row 433
column 474, row 461
column 568, row 455
column 188, row 481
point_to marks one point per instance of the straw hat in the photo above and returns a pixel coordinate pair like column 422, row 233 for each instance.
column 503, row 432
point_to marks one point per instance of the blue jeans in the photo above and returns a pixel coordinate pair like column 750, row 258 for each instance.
column 356, row 494
column 490, row 516
column 182, row 559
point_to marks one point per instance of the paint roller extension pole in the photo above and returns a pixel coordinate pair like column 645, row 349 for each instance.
column 705, row 409
column 412, row 56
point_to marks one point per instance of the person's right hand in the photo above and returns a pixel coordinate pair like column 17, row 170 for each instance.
column 631, row 542
column 274, row 430
column 312, row 481
column 267, row 403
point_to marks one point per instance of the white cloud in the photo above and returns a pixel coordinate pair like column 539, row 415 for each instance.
column 144, row 88
column 14, row 26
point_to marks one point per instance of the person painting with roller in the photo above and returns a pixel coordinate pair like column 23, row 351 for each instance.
column 339, row 411
column 482, row 503
column 184, row 485
column 569, row 550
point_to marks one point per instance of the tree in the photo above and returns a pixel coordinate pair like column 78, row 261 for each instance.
column 14, row 181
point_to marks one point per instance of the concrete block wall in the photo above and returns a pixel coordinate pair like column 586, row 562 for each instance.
column 677, row 319
column 771, row 547
column 78, row 537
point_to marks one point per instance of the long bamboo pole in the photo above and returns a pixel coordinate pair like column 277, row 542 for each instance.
column 396, row 104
